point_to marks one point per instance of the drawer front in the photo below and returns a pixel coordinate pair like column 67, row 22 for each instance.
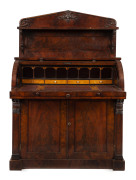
column 38, row 81
column 32, row 81
column 55, row 81
column 78, row 81
column 100, row 81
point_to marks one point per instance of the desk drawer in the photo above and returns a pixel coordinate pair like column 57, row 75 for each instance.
column 78, row 81
column 32, row 81
column 100, row 81
column 55, row 81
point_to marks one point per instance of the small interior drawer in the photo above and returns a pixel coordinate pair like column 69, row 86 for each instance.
column 78, row 81
column 33, row 81
column 55, row 81
column 100, row 81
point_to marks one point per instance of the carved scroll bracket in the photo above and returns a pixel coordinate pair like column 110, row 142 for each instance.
column 25, row 22
column 16, row 106
column 119, row 106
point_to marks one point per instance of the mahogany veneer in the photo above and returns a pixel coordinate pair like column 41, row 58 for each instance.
column 67, row 93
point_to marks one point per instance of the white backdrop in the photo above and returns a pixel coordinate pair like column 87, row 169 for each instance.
column 11, row 11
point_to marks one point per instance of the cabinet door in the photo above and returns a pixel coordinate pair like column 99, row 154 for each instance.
column 91, row 129
column 43, row 129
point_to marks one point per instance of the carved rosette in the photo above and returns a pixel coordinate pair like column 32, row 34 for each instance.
column 68, row 16
column 25, row 23
column 119, row 106
column 16, row 106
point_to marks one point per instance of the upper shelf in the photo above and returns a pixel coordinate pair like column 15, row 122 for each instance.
column 68, row 20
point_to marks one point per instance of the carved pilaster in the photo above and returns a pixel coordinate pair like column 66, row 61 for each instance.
column 16, row 130
column 119, row 106
column 118, row 129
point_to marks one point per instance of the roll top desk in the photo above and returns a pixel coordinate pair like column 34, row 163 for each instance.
column 67, row 93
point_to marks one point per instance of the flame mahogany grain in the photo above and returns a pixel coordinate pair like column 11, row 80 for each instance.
column 68, row 125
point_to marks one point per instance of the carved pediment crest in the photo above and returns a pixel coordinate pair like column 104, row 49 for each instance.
column 68, row 16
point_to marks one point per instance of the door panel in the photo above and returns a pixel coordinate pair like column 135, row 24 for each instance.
column 91, row 132
column 43, row 127
column 90, row 127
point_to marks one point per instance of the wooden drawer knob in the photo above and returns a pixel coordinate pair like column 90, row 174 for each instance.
column 98, row 94
column 67, row 95
column 37, row 93
column 69, row 123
